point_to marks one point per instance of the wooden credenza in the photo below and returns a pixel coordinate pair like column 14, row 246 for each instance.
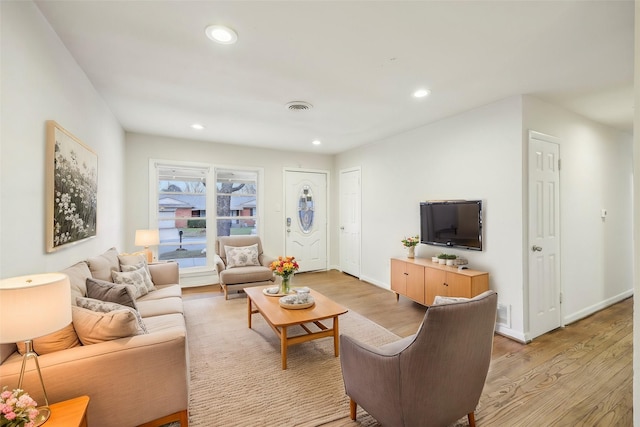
column 421, row 280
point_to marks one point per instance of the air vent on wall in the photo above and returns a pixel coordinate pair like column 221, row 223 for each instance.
column 298, row 106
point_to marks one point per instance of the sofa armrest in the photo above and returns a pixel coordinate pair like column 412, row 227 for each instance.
column 219, row 264
column 131, row 381
column 267, row 260
column 366, row 370
column 165, row 273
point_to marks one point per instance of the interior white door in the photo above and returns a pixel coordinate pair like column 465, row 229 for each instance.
column 350, row 225
column 544, row 234
column 306, row 219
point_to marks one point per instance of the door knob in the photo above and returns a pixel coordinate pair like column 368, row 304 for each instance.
column 535, row 248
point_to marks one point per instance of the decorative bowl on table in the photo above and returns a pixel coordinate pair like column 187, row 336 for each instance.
column 297, row 301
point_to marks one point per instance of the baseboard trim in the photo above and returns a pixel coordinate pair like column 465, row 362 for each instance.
column 511, row 334
column 588, row 311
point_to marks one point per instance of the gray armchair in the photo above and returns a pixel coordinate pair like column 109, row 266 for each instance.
column 233, row 275
column 431, row 378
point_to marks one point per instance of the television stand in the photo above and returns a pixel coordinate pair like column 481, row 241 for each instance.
column 422, row 280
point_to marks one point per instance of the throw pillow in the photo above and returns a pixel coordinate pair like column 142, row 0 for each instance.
column 136, row 258
column 101, row 266
column 60, row 340
column 142, row 268
column 134, row 278
column 241, row 256
column 107, row 307
column 94, row 327
column 447, row 300
column 110, row 292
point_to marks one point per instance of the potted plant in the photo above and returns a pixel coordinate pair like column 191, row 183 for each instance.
column 451, row 259
column 442, row 259
column 434, row 258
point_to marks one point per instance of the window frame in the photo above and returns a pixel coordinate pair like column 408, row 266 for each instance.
column 211, row 206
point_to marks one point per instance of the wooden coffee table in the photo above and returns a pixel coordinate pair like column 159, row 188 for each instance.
column 281, row 318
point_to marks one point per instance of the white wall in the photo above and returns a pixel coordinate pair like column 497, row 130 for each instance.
column 636, row 225
column 140, row 148
column 474, row 155
column 596, row 174
column 41, row 81
column 482, row 154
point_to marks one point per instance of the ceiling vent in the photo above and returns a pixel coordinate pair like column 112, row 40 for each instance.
column 298, row 106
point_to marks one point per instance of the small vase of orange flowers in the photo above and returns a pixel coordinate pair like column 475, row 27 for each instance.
column 285, row 267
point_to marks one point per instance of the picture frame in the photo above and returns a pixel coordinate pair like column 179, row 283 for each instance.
column 71, row 189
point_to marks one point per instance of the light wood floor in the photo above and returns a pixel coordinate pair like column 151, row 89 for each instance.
column 580, row 375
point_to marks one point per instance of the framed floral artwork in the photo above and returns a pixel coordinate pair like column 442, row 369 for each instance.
column 72, row 189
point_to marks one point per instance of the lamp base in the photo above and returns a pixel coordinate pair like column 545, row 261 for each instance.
column 43, row 415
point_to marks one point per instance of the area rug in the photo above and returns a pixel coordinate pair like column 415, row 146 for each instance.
column 236, row 375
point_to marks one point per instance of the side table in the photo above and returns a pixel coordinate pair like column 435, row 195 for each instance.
column 70, row 413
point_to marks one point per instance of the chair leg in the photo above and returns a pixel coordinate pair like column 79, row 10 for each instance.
column 353, row 408
column 472, row 419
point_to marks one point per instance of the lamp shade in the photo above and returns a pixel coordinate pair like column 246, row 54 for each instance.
column 33, row 306
column 147, row 237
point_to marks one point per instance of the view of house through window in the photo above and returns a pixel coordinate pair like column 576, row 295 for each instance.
column 182, row 215
column 236, row 196
column 183, row 207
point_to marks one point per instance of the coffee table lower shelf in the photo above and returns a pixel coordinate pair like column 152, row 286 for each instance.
column 280, row 319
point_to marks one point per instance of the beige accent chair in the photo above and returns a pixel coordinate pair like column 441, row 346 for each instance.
column 236, row 278
column 431, row 378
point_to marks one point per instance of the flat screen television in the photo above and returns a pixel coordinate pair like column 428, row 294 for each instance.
column 453, row 223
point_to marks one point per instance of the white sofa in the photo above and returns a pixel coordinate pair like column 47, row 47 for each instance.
column 141, row 379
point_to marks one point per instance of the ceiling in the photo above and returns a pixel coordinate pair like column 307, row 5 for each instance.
column 356, row 62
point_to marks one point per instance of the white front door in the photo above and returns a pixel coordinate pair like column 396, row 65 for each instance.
column 350, row 212
column 544, row 234
column 306, row 218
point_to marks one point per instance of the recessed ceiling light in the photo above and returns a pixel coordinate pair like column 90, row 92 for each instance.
column 197, row 126
column 316, row 142
column 221, row 34
column 421, row 93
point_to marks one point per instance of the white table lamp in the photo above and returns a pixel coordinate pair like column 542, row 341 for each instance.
column 147, row 238
column 31, row 307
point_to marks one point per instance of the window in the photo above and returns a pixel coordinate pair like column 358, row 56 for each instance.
column 182, row 214
column 185, row 206
column 236, row 202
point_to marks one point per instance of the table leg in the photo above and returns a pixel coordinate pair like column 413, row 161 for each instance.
column 336, row 337
column 249, row 309
column 283, row 347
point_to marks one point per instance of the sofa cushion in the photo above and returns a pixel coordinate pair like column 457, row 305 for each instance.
column 163, row 292
column 246, row 275
column 78, row 275
column 134, row 278
column 111, row 292
column 107, row 307
column 60, row 340
column 159, row 307
column 101, row 266
column 242, row 256
column 141, row 268
column 94, row 327
column 164, row 322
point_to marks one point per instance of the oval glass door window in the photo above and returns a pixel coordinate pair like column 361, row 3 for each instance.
column 305, row 209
